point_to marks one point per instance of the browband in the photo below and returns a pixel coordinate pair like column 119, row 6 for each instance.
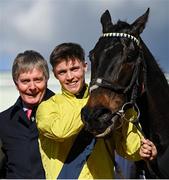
column 122, row 35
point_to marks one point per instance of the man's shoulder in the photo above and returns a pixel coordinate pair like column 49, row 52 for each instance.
column 52, row 101
column 52, row 104
column 6, row 112
column 5, row 116
column 11, row 111
column 55, row 98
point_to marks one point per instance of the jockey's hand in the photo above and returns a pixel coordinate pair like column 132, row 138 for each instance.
column 148, row 150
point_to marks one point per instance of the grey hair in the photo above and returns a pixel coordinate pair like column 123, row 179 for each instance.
column 28, row 60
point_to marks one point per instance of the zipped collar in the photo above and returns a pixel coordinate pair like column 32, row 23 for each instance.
column 85, row 95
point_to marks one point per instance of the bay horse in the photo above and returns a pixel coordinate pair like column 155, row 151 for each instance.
column 125, row 74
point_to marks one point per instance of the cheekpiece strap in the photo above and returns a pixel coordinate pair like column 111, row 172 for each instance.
column 122, row 35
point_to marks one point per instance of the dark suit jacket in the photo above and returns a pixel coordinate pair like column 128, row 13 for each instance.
column 19, row 138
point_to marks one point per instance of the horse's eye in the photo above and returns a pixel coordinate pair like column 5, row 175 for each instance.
column 131, row 56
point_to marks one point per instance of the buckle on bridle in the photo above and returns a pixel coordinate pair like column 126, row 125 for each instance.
column 129, row 112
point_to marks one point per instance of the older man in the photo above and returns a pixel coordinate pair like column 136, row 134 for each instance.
column 18, row 131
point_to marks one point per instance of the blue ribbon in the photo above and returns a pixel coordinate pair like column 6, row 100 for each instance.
column 78, row 155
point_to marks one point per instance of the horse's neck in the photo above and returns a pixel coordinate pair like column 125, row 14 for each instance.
column 157, row 90
column 156, row 82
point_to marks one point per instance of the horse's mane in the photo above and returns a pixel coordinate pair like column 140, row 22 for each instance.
column 155, row 75
column 157, row 92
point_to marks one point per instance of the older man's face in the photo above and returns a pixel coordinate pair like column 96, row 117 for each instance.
column 31, row 86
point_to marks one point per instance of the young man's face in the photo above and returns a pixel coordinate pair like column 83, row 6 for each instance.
column 31, row 86
column 71, row 75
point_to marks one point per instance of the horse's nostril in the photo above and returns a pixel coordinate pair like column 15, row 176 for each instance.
column 91, row 114
column 97, row 119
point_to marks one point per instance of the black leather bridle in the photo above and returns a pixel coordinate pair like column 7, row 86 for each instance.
column 133, row 87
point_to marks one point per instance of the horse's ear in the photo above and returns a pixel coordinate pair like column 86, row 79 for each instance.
column 106, row 21
column 140, row 23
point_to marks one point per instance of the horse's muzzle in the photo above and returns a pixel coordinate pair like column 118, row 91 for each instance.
column 96, row 120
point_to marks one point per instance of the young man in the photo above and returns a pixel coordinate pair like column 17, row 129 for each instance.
column 18, row 131
column 68, row 152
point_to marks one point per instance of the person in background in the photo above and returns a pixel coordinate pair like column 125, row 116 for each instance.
column 67, row 150
column 18, row 131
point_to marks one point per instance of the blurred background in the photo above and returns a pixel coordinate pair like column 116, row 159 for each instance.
column 42, row 24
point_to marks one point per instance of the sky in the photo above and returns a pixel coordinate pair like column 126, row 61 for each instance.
column 42, row 24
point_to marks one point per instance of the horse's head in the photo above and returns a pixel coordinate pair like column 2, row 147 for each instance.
column 116, row 64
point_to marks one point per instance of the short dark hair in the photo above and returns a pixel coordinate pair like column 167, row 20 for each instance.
column 28, row 60
column 66, row 51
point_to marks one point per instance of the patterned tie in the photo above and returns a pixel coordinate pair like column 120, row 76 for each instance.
column 28, row 113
